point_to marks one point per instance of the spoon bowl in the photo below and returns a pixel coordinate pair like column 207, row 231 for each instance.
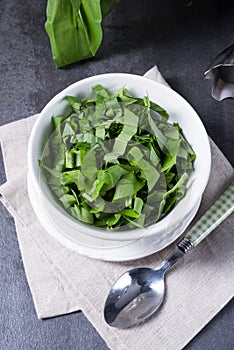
column 136, row 295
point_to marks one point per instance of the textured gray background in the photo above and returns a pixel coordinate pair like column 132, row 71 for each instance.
column 138, row 34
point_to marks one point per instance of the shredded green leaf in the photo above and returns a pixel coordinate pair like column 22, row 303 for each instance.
column 115, row 161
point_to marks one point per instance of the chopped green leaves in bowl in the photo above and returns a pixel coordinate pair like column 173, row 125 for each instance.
column 115, row 161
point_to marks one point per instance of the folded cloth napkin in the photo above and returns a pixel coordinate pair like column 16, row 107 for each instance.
column 62, row 281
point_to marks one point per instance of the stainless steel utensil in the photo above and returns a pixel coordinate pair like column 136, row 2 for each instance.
column 222, row 73
column 138, row 293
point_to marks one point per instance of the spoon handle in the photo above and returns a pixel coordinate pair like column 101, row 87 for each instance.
column 218, row 212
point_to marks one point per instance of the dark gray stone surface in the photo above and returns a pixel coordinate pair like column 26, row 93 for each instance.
column 183, row 41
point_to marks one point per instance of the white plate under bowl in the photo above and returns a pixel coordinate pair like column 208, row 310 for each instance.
column 97, row 248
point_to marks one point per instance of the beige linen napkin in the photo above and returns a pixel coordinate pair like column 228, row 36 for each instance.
column 61, row 281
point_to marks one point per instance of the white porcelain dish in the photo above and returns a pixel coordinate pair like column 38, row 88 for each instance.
column 158, row 235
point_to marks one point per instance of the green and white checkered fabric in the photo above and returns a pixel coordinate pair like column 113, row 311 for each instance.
column 218, row 212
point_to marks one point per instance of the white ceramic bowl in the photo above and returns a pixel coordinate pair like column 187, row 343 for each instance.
column 103, row 244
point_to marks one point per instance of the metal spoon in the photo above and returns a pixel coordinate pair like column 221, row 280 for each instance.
column 138, row 293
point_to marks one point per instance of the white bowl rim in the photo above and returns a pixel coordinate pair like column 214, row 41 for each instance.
column 128, row 234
